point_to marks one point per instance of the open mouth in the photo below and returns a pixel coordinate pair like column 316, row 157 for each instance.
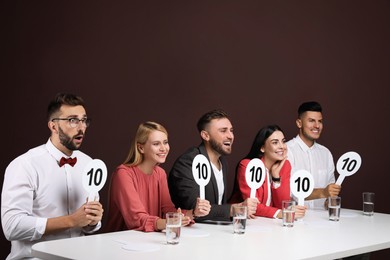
column 228, row 144
column 78, row 138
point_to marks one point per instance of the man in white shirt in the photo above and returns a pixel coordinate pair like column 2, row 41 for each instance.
column 43, row 197
column 304, row 153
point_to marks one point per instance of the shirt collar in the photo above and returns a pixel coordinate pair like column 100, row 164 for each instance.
column 215, row 167
column 303, row 146
column 57, row 154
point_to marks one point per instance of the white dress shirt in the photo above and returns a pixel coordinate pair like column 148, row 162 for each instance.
column 35, row 188
column 317, row 160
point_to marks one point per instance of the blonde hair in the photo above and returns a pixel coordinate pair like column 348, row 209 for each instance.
column 135, row 157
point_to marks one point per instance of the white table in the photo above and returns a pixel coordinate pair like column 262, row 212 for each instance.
column 315, row 237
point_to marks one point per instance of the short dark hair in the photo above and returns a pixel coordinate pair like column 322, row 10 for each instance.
column 206, row 118
column 309, row 106
column 63, row 99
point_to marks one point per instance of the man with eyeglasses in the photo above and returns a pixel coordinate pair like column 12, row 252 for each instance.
column 43, row 197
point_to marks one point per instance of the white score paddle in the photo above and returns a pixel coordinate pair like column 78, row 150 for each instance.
column 94, row 177
column 301, row 185
column 348, row 164
column 201, row 171
column 255, row 175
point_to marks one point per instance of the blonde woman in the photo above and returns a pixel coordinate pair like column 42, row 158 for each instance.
column 139, row 194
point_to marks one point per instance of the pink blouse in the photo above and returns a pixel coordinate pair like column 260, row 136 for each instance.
column 137, row 199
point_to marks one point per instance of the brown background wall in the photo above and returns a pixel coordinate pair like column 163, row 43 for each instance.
column 170, row 62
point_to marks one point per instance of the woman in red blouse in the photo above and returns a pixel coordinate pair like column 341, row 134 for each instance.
column 270, row 146
column 139, row 194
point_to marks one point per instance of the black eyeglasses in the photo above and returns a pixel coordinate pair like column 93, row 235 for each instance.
column 75, row 122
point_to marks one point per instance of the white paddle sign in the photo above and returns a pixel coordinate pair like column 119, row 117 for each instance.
column 301, row 185
column 255, row 175
column 348, row 164
column 94, row 177
column 201, row 171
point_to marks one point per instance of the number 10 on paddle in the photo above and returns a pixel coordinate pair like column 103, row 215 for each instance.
column 94, row 178
column 255, row 175
column 347, row 165
column 301, row 185
column 201, row 171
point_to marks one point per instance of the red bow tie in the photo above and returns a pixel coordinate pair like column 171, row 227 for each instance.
column 70, row 161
